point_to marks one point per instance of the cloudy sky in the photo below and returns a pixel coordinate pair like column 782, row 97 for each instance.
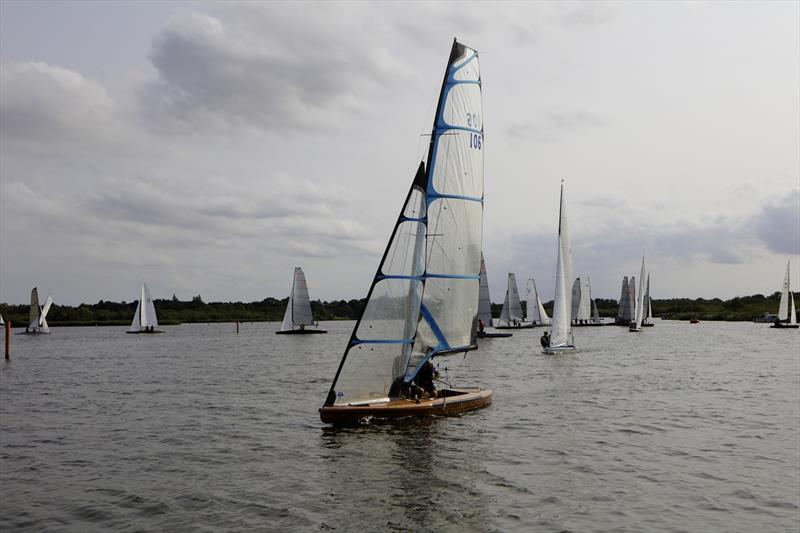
column 210, row 147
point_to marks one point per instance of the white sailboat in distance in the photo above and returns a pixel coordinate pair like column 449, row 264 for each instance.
column 144, row 319
column 637, row 325
column 561, row 339
column 536, row 313
column 787, row 315
column 37, row 321
column 511, row 315
column 485, row 307
column 298, row 310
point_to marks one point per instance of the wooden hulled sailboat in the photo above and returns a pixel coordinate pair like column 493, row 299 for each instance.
column 37, row 318
column 298, row 311
column 561, row 339
column 787, row 315
column 144, row 319
column 423, row 301
column 485, row 307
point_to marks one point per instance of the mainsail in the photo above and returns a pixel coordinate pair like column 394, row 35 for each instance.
column 623, row 302
column 640, row 301
column 630, row 301
column 536, row 312
column 581, row 301
column 298, row 310
column 648, row 318
column 33, row 315
column 423, row 300
column 512, row 307
column 484, row 301
column 560, row 329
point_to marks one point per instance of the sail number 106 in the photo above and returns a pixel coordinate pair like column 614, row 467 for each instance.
column 474, row 138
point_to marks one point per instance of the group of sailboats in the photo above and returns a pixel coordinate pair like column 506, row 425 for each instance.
column 633, row 313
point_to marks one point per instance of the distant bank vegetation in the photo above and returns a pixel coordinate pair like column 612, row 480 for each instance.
column 174, row 311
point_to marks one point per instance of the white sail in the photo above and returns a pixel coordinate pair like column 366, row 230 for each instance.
column 512, row 308
column 566, row 252
column 783, row 308
column 648, row 319
column 792, row 312
column 286, row 325
column 33, row 315
column 136, row 324
column 581, row 301
column 561, row 329
column 630, row 302
column 145, row 315
column 2, row 322
column 301, row 315
column 43, row 327
column 536, row 312
column 595, row 314
column 423, row 300
column 640, row 301
column 484, row 301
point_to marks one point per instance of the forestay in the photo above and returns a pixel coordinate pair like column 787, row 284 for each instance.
column 423, row 300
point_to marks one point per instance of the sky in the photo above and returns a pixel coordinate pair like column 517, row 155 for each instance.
column 208, row 148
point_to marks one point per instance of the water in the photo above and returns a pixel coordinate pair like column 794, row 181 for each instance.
column 677, row 428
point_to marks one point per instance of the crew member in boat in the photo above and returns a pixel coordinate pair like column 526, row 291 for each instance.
column 545, row 340
column 425, row 378
column 481, row 327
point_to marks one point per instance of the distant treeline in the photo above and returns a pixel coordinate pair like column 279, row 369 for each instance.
column 174, row 311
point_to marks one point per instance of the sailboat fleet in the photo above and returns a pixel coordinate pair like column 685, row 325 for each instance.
column 429, row 297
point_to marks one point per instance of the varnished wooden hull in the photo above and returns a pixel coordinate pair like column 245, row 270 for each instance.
column 455, row 401
column 300, row 331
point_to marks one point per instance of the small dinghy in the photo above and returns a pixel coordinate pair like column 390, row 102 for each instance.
column 561, row 339
column 298, row 317
column 144, row 319
column 485, row 308
column 511, row 315
column 787, row 316
column 636, row 327
column 423, row 300
column 37, row 321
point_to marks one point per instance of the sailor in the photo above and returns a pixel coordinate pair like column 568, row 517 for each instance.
column 545, row 340
column 425, row 378
column 480, row 326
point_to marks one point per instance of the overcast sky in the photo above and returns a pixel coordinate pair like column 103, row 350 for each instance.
column 209, row 148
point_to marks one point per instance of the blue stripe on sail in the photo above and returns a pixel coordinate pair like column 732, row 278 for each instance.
column 435, row 196
column 381, row 341
column 426, row 314
column 452, row 276
column 410, row 377
column 410, row 219
column 397, row 276
column 444, row 127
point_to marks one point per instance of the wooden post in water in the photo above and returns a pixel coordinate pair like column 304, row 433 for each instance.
column 237, row 327
column 8, row 339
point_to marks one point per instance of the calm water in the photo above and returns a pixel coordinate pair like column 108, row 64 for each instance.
column 679, row 428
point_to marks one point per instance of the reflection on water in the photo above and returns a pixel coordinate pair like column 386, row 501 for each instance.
column 676, row 428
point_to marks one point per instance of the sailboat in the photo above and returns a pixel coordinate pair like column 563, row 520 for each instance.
column 647, row 321
column 511, row 314
column 623, row 313
column 561, row 339
column 637, row 325
column 485, row 307
column 144, row 319
column 787, row 315
column 536, row 313
column 587, row 312
column 298, row 310
column 37, row 322
column 423, row 300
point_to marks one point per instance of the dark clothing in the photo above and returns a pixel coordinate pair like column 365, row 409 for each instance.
column 425, row 378
column 545, row 340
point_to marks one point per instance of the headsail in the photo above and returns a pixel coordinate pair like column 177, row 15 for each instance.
column 648, row 318
column 151, row 319
column 484, row 301
column 424, row 298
